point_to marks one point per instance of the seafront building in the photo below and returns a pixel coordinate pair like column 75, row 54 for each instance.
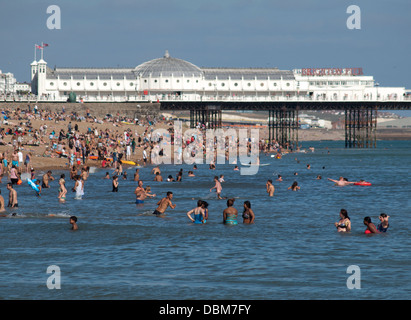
column 9, row 87
column 168, row 78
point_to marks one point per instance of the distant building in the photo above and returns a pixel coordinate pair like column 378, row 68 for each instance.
column 7, row 83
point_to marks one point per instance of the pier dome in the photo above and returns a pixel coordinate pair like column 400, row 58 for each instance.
column 167, row 67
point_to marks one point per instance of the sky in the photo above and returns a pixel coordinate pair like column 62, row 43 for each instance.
column 288, row 34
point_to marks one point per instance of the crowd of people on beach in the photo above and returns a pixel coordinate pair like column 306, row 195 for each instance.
column 109, row 148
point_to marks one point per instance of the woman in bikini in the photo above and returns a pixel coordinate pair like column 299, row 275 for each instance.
column 248, row 214
column 344, row 225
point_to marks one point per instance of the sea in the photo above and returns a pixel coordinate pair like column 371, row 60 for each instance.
column 293, row 251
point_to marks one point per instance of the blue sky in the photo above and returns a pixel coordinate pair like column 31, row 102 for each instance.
column 214, row 33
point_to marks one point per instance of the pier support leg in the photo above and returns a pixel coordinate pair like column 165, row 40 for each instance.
column 283, row 127
column 360, row 127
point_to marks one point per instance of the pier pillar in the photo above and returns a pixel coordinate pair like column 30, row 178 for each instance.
column 210, row 117
column 360, row 127
column 283, row 127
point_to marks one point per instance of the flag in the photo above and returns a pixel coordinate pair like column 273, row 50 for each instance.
column 38, row 47
column 45, row 45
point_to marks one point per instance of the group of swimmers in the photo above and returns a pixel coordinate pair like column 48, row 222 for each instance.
column 344, row 224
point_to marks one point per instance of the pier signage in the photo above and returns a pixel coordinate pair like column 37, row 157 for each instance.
column 331, row 71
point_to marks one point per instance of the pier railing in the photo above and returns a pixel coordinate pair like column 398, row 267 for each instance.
column 201, row 98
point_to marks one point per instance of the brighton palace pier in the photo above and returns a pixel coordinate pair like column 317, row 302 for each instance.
column 177, row 84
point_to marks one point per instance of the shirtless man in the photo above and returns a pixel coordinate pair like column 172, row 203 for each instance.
column 158, row 177
column 73, row 222
column 156, row 170
column 46, row 177
column 270, row 188
column 341, row 182
column 137, row 175
column 218, row 188
column 164, row 203
column 141, row 194
column 12, row 196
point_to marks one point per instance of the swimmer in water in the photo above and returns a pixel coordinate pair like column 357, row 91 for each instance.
column 73, row 222
column 12, row 196
column 204, row 205
column 294, row 186
column 62, row 188
column 163, row 204
column 280, row 178
column 199, row 215
column 230, row 214
column 248, row 214
column 344, row 225
column 158, row 177
column 270, row 188
column 141, row 193
column 38, row 187
column 341, row 182
column 383, row 225
column 370, row 226
column 115, row 184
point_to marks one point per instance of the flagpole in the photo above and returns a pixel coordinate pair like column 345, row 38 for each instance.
column 42, row 48
column 35, row 56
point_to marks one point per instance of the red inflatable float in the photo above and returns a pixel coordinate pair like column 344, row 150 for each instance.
column 362, row 183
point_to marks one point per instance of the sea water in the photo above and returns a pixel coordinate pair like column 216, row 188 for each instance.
column 292, row 251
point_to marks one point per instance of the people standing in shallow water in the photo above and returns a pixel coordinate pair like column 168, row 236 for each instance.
column 370, row 226
column 12, row 197
column 164, row 203
column 248, row 214
column 344, row 225
column 218, row 188
column 383, row 225
column 62, row 188
column 79, row 188
column 204, row 205
column 141, row 193
column 230, row 213
column 270, row 188
column 199, row 215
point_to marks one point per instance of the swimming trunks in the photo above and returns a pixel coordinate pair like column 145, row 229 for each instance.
column 157, row 213
column 138, row 201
